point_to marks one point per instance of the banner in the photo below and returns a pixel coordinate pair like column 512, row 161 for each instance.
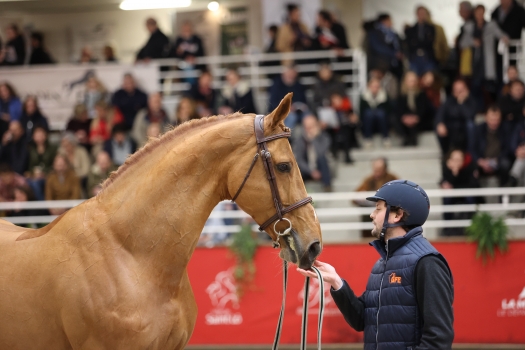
column 489, row 302
column 59, row 89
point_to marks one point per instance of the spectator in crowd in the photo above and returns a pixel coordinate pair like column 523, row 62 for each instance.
column 39, row 54
column 154, row 113
column 95, row 92
column 86, row 55
column 466, row 12
column 120, row 146
column 491, row 149
column 432, row 87
column 272, row 44
column 188, row 45
column 154, row 131
column 414, row 110
column 380, row 176
column 512, row 105
column 32, row 117
column 79, row 125
column 62, row 183
column 288, row 82
column 330, row 35
column 389, row 82
column 512, row 76
column 14, row 148
column 343, row 134
column 293, row 35
column 9, row 180
column 383, row 46
column 441, row 48
column 517, row 146
column 109, row 54
column 455, row 119
column 375, row 111
column 236, row 94
column 100, row 130
column 186, row 110
column 76, row 155
column 99, row 172
column 41, row 156
column 129, row 100
column 204, row 95
column 24, row 193
column 325, row 86
column 311, row 151
column 420, row 40
column 15, row 47
column 10, row 106
column 157, row 45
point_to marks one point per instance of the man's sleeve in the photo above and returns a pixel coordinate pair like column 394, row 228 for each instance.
column 435, row 294
column 352, row 307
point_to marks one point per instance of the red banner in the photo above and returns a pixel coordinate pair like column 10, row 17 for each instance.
column 489, row 304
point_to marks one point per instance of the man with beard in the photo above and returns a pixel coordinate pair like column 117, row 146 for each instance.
column 407, row 303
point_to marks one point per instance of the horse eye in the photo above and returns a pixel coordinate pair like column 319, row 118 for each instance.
column 284, row 167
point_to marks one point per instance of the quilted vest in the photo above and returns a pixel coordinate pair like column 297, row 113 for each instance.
column 392, row 319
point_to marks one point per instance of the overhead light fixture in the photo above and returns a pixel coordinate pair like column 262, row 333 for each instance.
column 153, row 4
column 213, row 6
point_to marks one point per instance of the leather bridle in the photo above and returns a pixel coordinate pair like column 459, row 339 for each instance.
column 266, row 156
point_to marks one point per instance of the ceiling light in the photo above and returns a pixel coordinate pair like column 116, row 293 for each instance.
column 153, row 4
column 213, row 6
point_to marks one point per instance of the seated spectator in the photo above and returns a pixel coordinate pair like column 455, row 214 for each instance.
column 154, row 131
column 389, row 82
column 120, row 146
column 293, row 35
column 62, row 183
column 41, row 156
column 517, row 172
column 109, row 54
column 325, row 86
column 39, row 54
column 14, row 148
column 95, row 92
column 100, row 130
column 99, row 172
column 10, row 106
column 188, row 45
column 204, row 95
column 157, row 45
column 86, row 56
column 432, row 87
column 154, row 113
column 329, row 35
column 414, row 111
column 76, row 155
column 375, row 110
column 287, row 82
column 9, row 180
column 455, row 119
column 420, row 40
column 24, row 193
column 383, row 46
column 129, row 100
column 512, row 76
column 236, row 95
column 311, row 151
column 15, row 47
column 512, row 105
column 186, row 110
column 32, row 117
column 491, row 149
column 80, row 125
column 343, row 132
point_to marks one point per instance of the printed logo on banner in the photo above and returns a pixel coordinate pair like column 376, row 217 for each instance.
column 513, row 307
column 330, row 309
column 223, row 296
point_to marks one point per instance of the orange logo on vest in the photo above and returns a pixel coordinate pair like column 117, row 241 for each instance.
column 394, row 278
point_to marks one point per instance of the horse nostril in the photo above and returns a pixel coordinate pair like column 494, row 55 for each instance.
column 313, row 250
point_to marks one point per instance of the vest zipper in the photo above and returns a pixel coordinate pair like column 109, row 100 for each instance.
column 379, row 302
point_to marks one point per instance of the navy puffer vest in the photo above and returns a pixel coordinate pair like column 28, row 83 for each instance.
column 392, row 319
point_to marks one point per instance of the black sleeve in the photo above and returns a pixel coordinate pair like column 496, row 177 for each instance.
column 435, row 294
column 352, row 307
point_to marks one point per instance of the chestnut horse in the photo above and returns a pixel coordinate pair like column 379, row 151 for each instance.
column 111, row 272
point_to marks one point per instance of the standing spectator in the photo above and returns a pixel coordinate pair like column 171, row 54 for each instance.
column 383, row 47
column 120, row 146
column 466, row 12
column 204, row 95
column 86, row 56
column 9, row 180
column 14, row 148
column 10, row 106
column 129, row 100
column 236, row 94
column 441, row 48
column 100, row 130
column 99, row 172
column 311, row 151
column 95, row 92
column 76, row 155
column 293, row 35
column 287, row 82
column 32, row 117
column 188, row 45
column 41, row 156
column 414, row 110
column 512, row 76
column 455, row 119
column 186, row 110
column 157, row 45
column 39, row 54
column 512, row 105
column 420, row 40
column 15, row 47
column 109, row 54
column 62, row 183
column 154, row 113
column 432, row 87
column 79, row 125
column 375, row 110
column 272, row 44
column 330, row 35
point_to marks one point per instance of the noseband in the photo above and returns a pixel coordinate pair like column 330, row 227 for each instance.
column 266, row 156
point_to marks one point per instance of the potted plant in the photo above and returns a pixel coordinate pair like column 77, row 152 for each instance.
column 243, row 247
column 489, row 233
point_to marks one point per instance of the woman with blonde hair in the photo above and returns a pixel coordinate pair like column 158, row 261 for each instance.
column 95, row 92
column 186, row 110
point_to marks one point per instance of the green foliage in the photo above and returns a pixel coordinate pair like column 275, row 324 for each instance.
column 489, row 233
column 244, row 246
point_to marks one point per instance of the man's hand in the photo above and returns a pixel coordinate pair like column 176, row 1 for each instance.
column 520, row 152
column 441, row 130
column 330, row 276
column 316, row 175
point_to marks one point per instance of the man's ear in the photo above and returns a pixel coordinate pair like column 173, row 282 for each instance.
column 279, row 114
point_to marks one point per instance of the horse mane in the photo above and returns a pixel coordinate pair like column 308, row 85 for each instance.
column 154, row 143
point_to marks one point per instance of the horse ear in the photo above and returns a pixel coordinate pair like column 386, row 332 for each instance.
column 280, row 113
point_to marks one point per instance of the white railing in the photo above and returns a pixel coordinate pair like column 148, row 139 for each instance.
column 517, row 56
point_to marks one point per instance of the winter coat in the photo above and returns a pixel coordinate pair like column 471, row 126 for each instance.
column 238, row 97
column 156, row 47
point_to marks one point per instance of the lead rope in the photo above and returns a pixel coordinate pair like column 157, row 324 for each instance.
column 304, row 324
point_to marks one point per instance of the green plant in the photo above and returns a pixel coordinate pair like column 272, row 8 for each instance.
column 489, row 233
column 244, row 246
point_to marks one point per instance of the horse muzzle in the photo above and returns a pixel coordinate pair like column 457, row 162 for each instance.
column 292, row 250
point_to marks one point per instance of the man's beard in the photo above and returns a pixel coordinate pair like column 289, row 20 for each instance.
column 376, row 232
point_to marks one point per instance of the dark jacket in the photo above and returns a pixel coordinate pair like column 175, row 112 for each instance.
column 421, row 46
column 15, row 52
column 108, row 147
column 16, row 154
column 129, row 105
column 279, row 89
column 29, row 122
column 408, row 299
column 239, row 98
column 464, row 178
column 511, row 109
column 40, row 56
column 423, row 110
column 481, row 142
column 208, row 101
column 44, row 160
column 517, row 137
column 333, row 38
column 189, row 47
column 324, row 89
column 382, row 46
column 513, row 23
column 156, row 47
column 455, row 115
